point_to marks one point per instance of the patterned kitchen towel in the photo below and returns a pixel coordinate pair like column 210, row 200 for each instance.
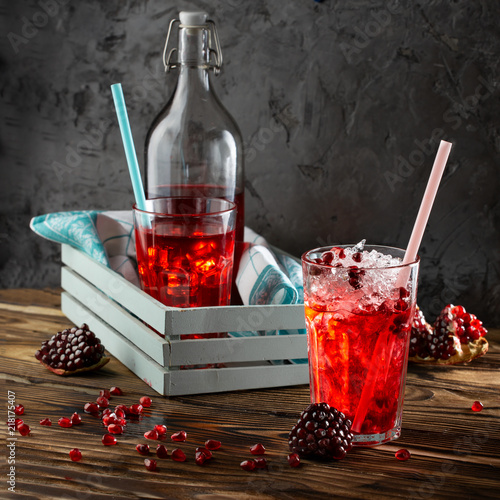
column 265, row 275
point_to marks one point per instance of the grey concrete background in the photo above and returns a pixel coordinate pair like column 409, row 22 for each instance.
column 340, row 104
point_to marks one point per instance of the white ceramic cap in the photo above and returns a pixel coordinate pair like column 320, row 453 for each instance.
column 193, row 18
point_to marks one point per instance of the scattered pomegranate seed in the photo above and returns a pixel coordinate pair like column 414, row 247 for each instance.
column 477, row 406
column 106, row 412
column 102, row 402
column 248, row 465
column 109, row 419
column 161, row 451
column 65, row 422
column 19, row 409
column 115, row 429
column 178, row 455
column 293, row 459
column 24, row 429
column 161, row 429
column 116, row 391
column 143, row 449
column 205, row 451
column 75, row 454
column 108, row 440
column 135, row 409
column 18, row 422
column 200, row 458
column 150, row 464
column 145, row 401
column 212, row 444
column 121, row 411
column 45, row 421
column 260, row 463
column 76, row 419
column 179, row 436
column 105, row 393
column 402, row 455
column 257, row 449
column 151, row 434
column 121, row 421
column 356, row 257
column 91, row 408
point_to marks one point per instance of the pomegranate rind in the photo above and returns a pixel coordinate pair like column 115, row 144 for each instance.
column 64, row 373
column 465, row 354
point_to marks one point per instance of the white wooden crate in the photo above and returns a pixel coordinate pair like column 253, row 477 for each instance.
column 119, row 313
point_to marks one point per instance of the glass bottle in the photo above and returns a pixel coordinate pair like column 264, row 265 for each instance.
column 194, row 146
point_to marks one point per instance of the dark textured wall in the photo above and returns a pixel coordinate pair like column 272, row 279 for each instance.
column 340, row 104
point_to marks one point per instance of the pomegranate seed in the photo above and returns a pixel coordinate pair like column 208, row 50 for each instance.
column 257, row 449
column 75, row 454
column 135, row 409
column 106, row 412
column 24, row 429
column 121, row 410
column 356, row 257
column 207, row 453
column 477, row 406
column 151, row 434
column 212, row 444
column 18, row 422
column 248, row 465
column 145, row 401
column 108, row 440
column 200, row 458
column 102, row 402
column 115, row 429
column 19, row 409
column 65, row 422
column 45, row 421
column 150, row 464
column 161, row 451
column 116, row 391
column 179, row 436
column 402, row 455
column 76, row 419
column 120, row 413
column 178, row 455
column 105, row 393
column 121, row 421
column 161, row 429
column 143, row 449
column 260, row 463
column 91, row 408
column 109, row 419
column 293, row 459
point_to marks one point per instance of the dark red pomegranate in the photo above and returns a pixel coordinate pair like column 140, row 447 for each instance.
column 457, row 337
column 321, row 431
column 72, row 351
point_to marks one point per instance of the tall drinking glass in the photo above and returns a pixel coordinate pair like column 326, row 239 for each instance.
column 358, row 320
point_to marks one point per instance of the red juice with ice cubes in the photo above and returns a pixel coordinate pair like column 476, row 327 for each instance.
column 185, row 249
column 186, row 270
column 358, row 325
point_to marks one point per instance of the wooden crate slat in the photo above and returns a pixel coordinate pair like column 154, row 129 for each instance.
column 113, row 314
column 135, row 360
column 236, row 378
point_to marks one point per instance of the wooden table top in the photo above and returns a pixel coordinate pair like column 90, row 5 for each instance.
column 454, row 451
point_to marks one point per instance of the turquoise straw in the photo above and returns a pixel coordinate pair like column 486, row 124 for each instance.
column 128, row 144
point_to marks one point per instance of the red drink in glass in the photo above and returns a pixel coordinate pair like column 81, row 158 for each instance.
column 185, row 250
column 358, row 325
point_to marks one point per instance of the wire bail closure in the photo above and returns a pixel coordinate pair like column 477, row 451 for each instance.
column 213, row 39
